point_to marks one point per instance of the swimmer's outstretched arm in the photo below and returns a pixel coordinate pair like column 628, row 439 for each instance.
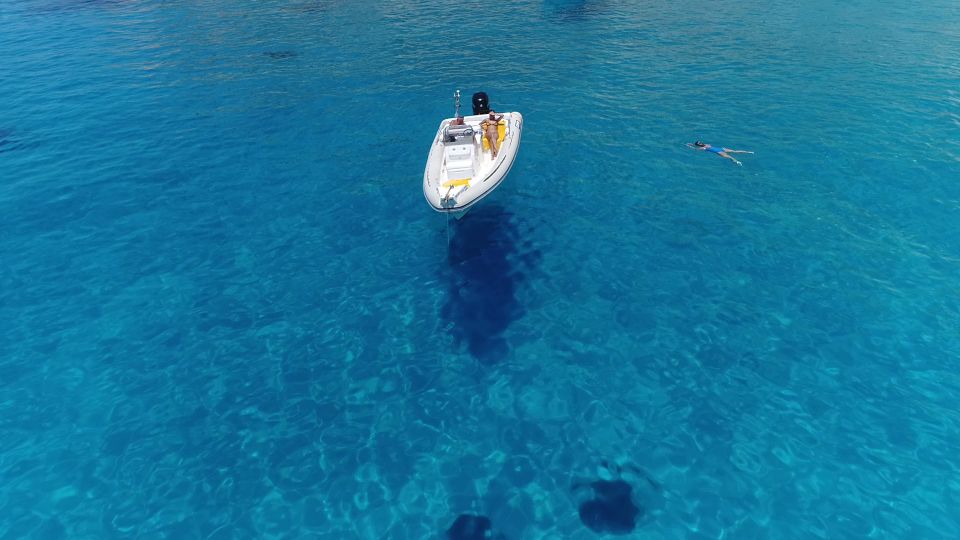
column 695, row 147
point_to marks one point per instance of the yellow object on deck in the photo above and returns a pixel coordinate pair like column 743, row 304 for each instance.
column 457, row 182
column 502, row 129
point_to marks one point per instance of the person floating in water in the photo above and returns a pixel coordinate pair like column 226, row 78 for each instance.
column 719, row 150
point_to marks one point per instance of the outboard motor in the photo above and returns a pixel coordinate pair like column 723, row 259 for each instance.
column 481, row 105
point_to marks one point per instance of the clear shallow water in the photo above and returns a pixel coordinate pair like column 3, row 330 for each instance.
column 226, row 311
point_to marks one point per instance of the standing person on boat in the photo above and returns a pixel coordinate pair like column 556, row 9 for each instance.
column 491, row 131
column 719, row 150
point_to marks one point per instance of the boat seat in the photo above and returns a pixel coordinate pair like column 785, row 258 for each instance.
column 458, row 159
column 457, row 182
column 501, row 129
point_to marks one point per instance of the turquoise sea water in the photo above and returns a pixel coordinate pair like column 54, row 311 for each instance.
column 226, row 310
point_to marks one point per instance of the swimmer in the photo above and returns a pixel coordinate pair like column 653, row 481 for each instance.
column 719, row 150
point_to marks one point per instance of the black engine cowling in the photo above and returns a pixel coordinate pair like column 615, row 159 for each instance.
column 481, row 104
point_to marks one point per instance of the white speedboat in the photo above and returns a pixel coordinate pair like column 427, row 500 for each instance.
column 461, row 168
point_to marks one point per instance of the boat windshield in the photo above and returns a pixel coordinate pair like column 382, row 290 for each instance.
column 457, row 133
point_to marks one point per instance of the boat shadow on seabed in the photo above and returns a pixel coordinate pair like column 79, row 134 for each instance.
column 486, row 267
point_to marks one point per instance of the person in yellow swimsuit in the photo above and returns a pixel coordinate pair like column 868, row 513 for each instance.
column 490, row 130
